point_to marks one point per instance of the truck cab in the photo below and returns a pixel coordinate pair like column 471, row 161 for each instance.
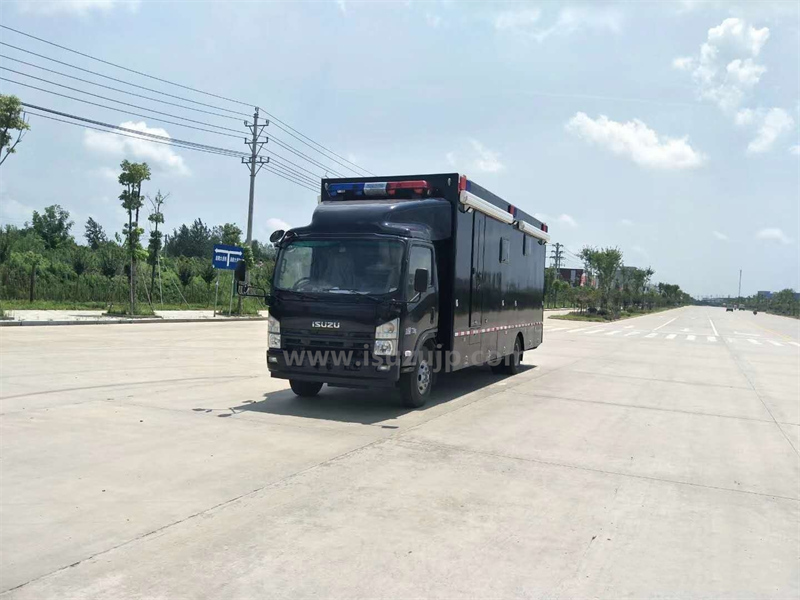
column 355, row 295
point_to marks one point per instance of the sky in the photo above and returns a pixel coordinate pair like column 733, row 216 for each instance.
column 668, row 129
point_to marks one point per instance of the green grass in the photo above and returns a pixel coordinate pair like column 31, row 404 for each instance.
column 124, row 311
column 573, row 316
column 249, row 306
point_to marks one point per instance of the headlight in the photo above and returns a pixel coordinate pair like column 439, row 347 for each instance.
column 384, row 348
column 387, row 331
column 274, row 340
column 273, row 325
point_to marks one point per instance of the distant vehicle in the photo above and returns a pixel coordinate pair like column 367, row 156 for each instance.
column 755, row 312
column 401, row 275
column 728, row 309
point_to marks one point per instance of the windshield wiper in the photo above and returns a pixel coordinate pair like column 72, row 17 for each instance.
column 299, row 294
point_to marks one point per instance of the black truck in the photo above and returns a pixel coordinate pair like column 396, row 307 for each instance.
column 399, row 278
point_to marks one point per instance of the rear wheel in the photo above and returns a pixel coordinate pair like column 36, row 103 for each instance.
column 415, row 387
column 509, row 365
column 305, row 388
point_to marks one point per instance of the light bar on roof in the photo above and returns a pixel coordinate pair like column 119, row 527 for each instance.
column 490, row 210
column 532, row 231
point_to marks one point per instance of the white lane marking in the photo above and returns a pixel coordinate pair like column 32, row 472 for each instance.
column 614, row 332
column 794, row 344
column 690, row 338
column 591, row 331
column 651, row 335
column 714, row 329
column 671, row 336
column 579, row 329
column 552, row 330
column 628, row 326
column 686, row 330
column 664, row 324
column 752, row 341
column 776, row 344
column 632, row 333
column 731, row 340
column 752, row 334
column 711, row 338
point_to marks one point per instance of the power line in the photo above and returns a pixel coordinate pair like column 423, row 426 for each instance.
column 287, row 174
column 106, row 62
column 195, row 90
column 108, row 87
column 141, row 87
column 125, row 112
column 158, row 112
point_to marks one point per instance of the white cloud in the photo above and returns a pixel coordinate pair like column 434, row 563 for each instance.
column 720, row 236
column 77, row 7
column 433, row 20
column 626, row 222
column 488, row 161
column 517, row 19
column 636, row 141
column 774, row 123
column 773, row 233
column 274, row 223
column 14, row 212
column 724, row 69
column 157, row 155
column 563, row 219
column 795, row 150
column 106, row 173
column 450, row 157
column 640, row 250
column 570, row 20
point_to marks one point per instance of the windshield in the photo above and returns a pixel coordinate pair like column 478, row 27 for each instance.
column 351, row 266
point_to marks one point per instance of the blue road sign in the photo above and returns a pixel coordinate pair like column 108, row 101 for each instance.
column 226, row 257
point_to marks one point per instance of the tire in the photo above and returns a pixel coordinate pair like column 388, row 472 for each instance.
column 415, row 387
column 509, row 365
column 305, row 389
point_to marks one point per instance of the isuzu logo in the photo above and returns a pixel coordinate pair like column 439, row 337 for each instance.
column 325, row 324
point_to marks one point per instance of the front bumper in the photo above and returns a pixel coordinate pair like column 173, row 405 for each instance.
column 356, row 369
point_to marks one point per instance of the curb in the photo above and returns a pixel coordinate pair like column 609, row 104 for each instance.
column 127, row 321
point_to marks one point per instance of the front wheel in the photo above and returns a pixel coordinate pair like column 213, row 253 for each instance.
column 415, row 387
column 305, row 389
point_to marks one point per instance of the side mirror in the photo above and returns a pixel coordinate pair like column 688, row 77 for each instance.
column 276, row 236
column 240, row 273
column 420, row 280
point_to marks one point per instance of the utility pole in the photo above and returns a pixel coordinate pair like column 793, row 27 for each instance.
column 556, row 255
column 254, row 163
column 739, row 297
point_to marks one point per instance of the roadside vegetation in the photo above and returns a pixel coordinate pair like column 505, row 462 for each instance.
column 612, row 290
column 47, row 264
column 785, row 303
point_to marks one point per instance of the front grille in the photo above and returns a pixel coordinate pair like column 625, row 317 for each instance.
column 311, row 339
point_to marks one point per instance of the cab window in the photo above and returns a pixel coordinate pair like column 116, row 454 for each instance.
column 419, row 257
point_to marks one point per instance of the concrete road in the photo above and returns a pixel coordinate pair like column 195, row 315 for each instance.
column 654, row 457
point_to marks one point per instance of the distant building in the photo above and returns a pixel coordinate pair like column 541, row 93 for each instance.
column 766, row 295
column 572, row 276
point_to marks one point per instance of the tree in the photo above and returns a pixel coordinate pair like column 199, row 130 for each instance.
column 110, row 258
column 604, row 263
column 95, row 236
column 53, row 227
column 12, row 118
column 81, row 259
column 32, row 261
column 230, row 234
column 156, row 217
column 131, row 178
column 185, row 271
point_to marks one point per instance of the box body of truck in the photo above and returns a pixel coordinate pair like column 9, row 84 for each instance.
column 345, row 308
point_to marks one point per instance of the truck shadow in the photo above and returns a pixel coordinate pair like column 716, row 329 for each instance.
column 371, row 406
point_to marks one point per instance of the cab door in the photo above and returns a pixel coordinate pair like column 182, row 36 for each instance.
column 422, row 308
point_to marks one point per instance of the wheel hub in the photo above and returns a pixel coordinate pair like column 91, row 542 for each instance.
column 423, row 376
